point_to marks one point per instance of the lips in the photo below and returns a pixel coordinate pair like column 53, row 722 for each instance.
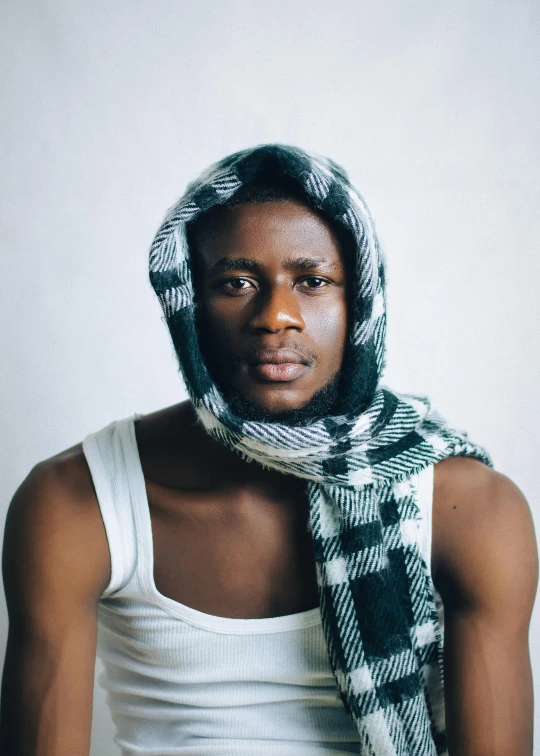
column 278, row 365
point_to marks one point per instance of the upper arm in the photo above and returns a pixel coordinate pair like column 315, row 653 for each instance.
column 55, row 565
column 486, row 568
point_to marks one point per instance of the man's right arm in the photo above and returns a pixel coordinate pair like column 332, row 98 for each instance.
column 55, row 566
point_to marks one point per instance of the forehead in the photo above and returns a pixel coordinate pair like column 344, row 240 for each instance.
column 264, row 228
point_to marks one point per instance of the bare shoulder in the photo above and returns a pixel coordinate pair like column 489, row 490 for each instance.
column 54, row 528
column 58, row 487
column 484, row 545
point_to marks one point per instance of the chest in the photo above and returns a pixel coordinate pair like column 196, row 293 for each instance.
column 235, row 551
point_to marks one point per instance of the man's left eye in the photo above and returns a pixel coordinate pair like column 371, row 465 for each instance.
column 315, row 282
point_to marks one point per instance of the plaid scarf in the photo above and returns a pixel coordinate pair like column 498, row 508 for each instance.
column 378, row 611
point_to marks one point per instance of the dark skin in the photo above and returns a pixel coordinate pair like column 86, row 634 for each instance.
column 260, row 299
column 56, row 560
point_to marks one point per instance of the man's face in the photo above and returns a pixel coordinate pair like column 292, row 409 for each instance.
column 270, row 282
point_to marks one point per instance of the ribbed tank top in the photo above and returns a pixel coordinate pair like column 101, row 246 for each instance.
column 184, row 683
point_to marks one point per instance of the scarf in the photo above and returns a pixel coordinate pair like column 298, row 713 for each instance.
column 377, row 606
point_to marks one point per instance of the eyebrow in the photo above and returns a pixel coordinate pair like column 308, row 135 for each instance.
column 225, row 264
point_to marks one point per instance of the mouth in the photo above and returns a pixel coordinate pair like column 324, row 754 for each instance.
column 281, row 365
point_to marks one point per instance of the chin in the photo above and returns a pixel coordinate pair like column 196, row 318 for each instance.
column 277, row 400
column 289, row 410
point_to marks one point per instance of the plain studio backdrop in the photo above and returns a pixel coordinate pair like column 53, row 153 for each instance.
column 110, row 108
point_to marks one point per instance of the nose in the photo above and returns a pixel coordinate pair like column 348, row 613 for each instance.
column 275, row 309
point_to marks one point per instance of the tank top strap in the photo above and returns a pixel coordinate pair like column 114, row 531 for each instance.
column 105, row 452
column 143, row 577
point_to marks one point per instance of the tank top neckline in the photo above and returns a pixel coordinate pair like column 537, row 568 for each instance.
column 145, row 550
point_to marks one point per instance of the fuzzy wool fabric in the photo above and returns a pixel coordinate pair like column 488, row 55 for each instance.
column 378, row 611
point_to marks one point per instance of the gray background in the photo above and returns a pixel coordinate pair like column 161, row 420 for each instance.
column 109, row 108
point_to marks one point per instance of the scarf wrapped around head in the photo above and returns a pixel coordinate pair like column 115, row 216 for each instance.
column 378, row 612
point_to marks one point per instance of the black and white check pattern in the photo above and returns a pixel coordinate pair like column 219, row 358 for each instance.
column 378, row 611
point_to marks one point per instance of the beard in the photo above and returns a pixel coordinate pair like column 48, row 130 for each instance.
column 323, row 403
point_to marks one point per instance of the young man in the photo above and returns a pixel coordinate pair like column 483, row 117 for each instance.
column 272, row 562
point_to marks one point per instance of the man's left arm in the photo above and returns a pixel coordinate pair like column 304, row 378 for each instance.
column 485, row 565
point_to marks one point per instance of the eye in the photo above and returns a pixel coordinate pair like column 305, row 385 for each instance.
column 233, row 285
column 316, row 282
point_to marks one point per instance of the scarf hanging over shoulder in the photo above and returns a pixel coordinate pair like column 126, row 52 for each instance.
column 378, row 612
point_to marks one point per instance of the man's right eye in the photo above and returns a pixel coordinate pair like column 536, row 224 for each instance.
column 236, row 283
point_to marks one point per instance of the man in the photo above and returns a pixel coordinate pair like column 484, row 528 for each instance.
column 209, row 538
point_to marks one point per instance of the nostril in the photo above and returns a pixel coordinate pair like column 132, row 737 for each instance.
column 276, row 312
column 276, row 321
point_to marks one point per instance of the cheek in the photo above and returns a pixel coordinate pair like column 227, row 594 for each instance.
column 220, row 316
column 219, row 324
column 327, row 326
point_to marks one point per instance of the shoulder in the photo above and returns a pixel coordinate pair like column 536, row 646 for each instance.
column 60, row 486
column 54, row 530
column 484, row 545
column 174, row 450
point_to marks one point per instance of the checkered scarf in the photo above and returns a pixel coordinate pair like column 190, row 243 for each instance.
column 378, row 611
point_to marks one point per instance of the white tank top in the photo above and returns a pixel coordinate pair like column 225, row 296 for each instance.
column 184, row 683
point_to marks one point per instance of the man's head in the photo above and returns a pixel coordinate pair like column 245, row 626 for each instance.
column 272, row 249
column 272, row 284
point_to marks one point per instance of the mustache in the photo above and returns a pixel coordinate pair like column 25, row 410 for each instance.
column 252, row 353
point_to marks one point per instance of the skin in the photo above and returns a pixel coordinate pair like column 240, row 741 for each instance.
column 56, row 559
column 263, row 280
